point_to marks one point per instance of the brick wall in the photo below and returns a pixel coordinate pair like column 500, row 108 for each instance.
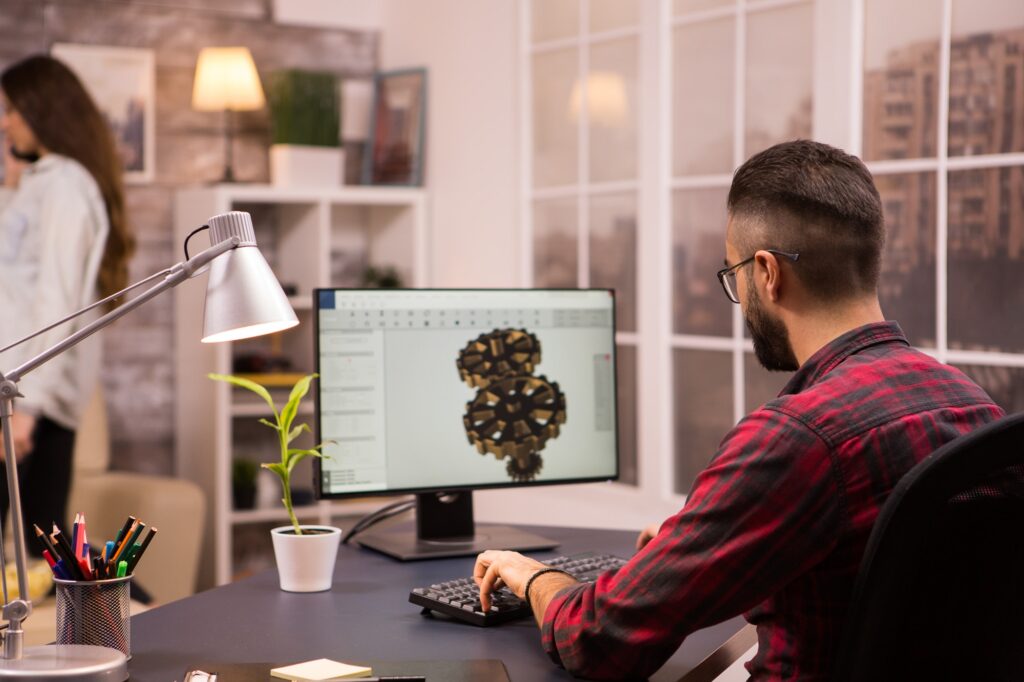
column 139, row 375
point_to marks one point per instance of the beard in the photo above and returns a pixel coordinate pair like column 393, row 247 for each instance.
column 771, row 338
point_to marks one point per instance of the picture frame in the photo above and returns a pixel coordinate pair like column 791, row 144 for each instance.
column 395, row 149
column 122, row 82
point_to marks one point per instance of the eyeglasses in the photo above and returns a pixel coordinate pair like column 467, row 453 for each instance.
column 727, row 276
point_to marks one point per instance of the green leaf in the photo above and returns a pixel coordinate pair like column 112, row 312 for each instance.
column 295, row 456
column 247, row 384
column 269, row 423
column 277, row 468
column 299, row 391
column 294, row 433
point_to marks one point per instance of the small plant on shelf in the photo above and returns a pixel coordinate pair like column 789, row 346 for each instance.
column 286, row 433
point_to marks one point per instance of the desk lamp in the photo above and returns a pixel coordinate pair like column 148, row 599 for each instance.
column 243, row 299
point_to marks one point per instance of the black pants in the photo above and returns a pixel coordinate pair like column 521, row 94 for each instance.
column 45, row 481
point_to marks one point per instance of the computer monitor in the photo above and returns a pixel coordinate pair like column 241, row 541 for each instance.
column 440, row 392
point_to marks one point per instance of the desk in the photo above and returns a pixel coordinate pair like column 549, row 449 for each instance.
column 366, row 615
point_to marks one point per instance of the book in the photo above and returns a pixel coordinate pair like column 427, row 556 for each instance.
column 321, row 670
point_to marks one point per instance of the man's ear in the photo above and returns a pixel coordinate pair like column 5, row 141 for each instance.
column 768, row 274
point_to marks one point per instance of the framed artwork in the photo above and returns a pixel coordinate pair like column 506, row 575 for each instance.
column 397, row 129
column 122, row 83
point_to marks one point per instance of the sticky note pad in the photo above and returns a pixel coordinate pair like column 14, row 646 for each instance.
column 320, row 670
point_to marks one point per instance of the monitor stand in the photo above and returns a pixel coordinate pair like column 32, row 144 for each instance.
column 445, row 528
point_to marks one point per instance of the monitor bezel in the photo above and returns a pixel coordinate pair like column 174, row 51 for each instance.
column 392, row 492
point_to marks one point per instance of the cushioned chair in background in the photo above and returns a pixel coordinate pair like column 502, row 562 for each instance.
column 940, row 593
column 176, row 507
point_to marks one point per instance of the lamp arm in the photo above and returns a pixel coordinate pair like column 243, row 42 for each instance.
column 86, row 309
column 175, row 276
column 17, row 610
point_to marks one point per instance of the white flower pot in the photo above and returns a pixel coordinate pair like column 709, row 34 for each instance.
column 299, row 165
column 305, row 563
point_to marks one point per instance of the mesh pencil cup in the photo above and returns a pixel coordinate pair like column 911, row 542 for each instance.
column 94, row 612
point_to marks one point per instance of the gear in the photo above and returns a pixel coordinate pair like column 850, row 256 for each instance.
column 515, row 417
column 500, row 353
column 520, row 472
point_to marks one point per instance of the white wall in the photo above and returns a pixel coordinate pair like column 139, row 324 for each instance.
column 469, row 50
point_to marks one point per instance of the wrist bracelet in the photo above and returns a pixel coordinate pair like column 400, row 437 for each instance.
column 529, row 583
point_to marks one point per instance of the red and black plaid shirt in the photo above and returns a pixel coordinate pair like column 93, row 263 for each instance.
column 776, row 525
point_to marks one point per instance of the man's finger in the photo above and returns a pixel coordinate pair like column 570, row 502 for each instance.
column 487, row 585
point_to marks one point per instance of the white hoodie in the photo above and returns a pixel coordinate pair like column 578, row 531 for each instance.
column 52, row 235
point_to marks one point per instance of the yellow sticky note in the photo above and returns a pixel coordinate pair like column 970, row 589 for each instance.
column 321, row 670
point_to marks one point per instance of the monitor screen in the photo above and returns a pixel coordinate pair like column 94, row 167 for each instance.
column 445, row 390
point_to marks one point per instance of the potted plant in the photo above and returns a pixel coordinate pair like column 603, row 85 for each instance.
column 305, row 554
column 305, row 116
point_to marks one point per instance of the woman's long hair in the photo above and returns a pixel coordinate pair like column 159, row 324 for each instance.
column 66, row 121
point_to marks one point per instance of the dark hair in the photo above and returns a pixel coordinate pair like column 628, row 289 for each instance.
column 809, row 198
column 66, row 121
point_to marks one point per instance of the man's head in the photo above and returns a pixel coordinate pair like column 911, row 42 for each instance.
column 813, row 200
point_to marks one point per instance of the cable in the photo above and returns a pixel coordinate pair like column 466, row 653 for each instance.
column 384, row 513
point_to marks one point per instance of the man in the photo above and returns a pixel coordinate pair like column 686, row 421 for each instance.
column 776, row 525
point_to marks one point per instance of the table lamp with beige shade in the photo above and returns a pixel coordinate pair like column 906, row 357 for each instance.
column 226, row 80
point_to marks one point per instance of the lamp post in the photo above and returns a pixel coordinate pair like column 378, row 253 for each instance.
column 243, row 299
column 226, row 80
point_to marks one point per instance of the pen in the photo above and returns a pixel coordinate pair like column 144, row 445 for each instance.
column 134, row 559
column 122, row 568
column 47, row 545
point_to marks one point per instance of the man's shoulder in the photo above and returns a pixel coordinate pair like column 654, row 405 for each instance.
column 868, row 390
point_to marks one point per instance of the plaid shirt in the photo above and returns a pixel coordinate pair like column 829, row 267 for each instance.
column 776, row 525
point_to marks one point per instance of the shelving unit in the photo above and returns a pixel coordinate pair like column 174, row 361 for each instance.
column 311, row 238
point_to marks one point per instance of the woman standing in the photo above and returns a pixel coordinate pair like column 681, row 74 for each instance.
column 64, row 243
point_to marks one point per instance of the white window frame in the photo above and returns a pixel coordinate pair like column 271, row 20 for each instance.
column 837, row 94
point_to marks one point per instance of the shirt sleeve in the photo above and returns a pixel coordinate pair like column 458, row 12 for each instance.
column 68, row 234
column 764, row 511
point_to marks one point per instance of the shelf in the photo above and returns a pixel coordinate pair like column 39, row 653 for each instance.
column 254, row 409
column 357, row 195
column 348, row 508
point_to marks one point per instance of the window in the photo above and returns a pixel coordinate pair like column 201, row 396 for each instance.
column 932, row 102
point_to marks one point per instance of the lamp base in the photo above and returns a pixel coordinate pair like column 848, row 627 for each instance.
column 67, row 662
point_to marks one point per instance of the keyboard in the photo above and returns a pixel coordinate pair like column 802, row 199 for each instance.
column 460, row 598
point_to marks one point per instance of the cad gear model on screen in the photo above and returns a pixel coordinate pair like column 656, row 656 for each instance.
column 514, row 413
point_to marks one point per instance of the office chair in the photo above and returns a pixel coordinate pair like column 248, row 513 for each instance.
column 940, row 593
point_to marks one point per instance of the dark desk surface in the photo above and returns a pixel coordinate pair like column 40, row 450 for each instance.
column 365, row 616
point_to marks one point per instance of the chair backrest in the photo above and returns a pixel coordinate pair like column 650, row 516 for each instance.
column 940, row 593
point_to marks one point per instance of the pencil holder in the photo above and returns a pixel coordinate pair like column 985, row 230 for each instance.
column 94, row 612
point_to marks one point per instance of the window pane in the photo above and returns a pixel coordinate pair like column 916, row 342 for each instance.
column 555, row 141
column 626, row 374
column 760, row 385
column 606, row 15
column 699, row 305
column 901, row 79
column 778, row 81
column 554, row 19
column 683, row 6
column 554, row 243
column 1004, row 384
column 907, row 285
column 986, row 77
column 986, row 259
column 612, row 100
column 703, row 410
column 613, row 252
column 702, row 97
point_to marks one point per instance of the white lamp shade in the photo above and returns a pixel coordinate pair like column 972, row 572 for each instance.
column 226, row 78
column 243, row 297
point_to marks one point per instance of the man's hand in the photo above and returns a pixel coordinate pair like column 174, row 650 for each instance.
column 646, row 535
column 22, row 426
column 496, row 568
